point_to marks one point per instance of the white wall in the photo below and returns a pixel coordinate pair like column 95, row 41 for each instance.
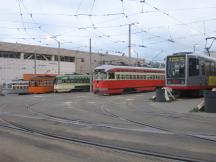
column 15, row 68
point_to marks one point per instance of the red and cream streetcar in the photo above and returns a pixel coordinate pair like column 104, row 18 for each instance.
column 110, row 79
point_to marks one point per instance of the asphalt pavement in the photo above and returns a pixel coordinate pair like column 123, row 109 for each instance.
column 128, row 121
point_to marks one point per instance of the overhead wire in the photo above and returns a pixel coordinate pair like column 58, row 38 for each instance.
column 39, row 26
column 170, row 16
column 98, row 26
column 22, row 20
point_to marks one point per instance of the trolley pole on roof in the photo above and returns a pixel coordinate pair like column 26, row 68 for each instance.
column 90, row 64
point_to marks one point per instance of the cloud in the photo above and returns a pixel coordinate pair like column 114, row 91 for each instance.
column 74, row 22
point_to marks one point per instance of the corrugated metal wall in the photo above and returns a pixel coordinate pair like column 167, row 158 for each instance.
column 15, row 68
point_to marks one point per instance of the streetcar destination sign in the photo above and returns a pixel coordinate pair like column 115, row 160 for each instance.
column 176, row 58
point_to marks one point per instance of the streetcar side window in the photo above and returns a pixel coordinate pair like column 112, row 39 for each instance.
column 111, row 76
column 207, row 68
column 144, row 77
column 32, row 83
column 134, row 77
column 126, row 76
column 193, row 67
column 151, row 77
column 203, row 68
column 122, row 76
column 48, row 82
column 118, row 76
column 103, row 76
column 212, row 69
column 9, row 86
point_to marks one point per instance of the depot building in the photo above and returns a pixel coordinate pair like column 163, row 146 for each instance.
column 18, row 59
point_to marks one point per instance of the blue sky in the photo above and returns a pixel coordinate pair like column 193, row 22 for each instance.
column 160, row 27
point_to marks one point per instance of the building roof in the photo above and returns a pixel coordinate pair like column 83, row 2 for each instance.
column 25, row 48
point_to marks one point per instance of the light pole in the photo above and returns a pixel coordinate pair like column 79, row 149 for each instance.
column 129, row 41
column 129, row 44
column 59, row 46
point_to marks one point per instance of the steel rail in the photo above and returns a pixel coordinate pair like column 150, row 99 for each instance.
column 25, row 129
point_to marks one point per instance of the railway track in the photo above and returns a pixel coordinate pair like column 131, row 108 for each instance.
column 201, row 137
column 21, row 128
column 164, row 114
column 107, row 112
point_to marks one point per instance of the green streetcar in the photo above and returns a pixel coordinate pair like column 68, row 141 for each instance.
column 71, row 82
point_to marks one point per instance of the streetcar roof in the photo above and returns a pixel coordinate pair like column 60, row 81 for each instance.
column 68, row 76
column 111, row 67
column 42, row 78
column 16, row 81
column 194, row 54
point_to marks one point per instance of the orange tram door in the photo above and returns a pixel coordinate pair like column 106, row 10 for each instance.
column 39, row 84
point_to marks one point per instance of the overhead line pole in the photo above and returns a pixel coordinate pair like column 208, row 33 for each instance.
column 58, row 52
column 129, row 44
column 35, row 62
column 90, row 64
column 35, row 59
column 58, row 57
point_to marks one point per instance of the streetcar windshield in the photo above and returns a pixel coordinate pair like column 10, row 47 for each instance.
column 100, row 75
column 58, row 81
column 4, row 85
column 176, row 67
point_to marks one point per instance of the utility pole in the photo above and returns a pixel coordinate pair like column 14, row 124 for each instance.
column 129, row 44
column 35, row 63
column 90, row 64
column 58, row 57
column 58, row 52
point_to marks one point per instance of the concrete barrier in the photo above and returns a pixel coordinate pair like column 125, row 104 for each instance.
column 160, row 95
column 210, row 101
column 0, row 89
